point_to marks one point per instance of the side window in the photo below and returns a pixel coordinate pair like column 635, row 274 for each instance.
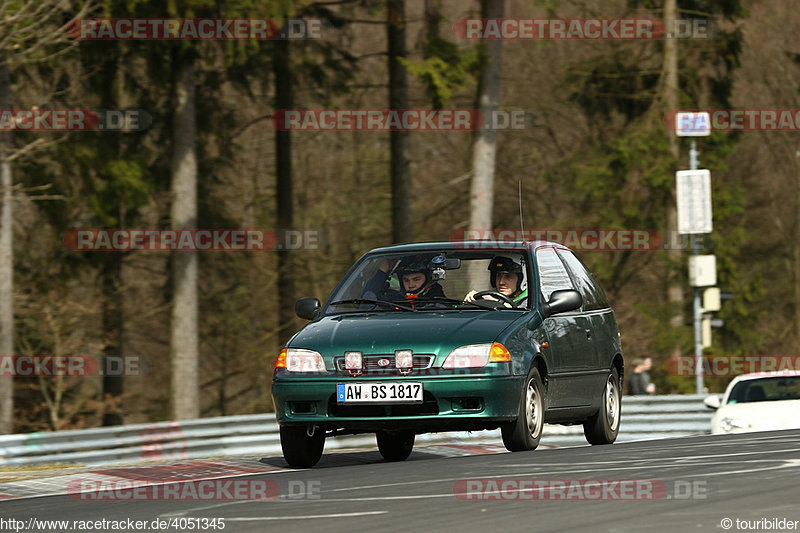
column 593, row 295
column 552, row 274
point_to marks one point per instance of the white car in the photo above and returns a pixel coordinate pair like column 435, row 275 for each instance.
column 764, row 401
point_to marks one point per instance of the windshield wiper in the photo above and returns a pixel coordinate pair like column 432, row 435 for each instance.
column 374, row 302
column 456, row 301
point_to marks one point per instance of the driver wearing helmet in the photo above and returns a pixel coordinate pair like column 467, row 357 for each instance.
column 416, row 281
column 507, row 277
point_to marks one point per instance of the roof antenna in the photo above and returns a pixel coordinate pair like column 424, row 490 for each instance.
column 521, row 226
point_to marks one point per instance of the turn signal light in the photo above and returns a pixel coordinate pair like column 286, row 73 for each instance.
column 499, row 354
column 280, row 362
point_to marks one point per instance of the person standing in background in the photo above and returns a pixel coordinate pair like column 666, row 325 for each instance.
column 639, row 382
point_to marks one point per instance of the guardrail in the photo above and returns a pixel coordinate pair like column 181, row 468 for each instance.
column 643, row 417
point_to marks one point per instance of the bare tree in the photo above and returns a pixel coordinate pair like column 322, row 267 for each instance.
column 484, row 148
column 284, row 198
column 402, row 229
column 111, row 275
column 183, row 215
column 671, row 93
column 6, row 260
column 29, row 31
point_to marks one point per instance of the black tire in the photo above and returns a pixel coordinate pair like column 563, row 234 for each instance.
column 300, row 450
column 395, row 446
column 603, row 427
column 524, row 433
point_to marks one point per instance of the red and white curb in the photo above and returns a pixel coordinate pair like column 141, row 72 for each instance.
column 163, row 474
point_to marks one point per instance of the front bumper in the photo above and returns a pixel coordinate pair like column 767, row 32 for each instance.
column 449, row 404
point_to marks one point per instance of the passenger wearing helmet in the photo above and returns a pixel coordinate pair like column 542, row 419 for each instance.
column 416, row 281
column 508, row 278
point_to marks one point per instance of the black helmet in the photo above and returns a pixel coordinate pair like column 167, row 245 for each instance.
column 500, row 263
column 414, row 265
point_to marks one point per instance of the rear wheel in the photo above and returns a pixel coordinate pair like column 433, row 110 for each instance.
column 603, row 427
column 299, row 449
column 525, row 432
column 395, row 446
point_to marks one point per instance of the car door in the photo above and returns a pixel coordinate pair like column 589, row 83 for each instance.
column 597, row 317
column 570, row 350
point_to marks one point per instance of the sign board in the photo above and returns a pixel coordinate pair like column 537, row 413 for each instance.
column 694, row 201
column 705, row 332
column 693, row 124
column 711, row 299
column 702, row 270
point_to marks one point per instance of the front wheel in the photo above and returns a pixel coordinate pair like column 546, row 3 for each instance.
column 300, row 449
column 395, row 446
column 603, row 427
column 525, row 432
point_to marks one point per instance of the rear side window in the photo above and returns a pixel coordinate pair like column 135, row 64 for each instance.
column 553, row 275
column 593, row 295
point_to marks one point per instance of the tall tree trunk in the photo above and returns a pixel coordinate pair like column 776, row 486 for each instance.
column 484, row 145
column 797, row 254
column 112, row 311
column 183, row 215
column 402, row 229
column 484, row 148
column 284, row 197
column 6, row 261
column 671, row 94
column 433, row 17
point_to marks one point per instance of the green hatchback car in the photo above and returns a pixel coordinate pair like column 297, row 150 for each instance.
column 451, row 336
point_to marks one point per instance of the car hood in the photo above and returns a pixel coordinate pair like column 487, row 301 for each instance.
column 427, row 332
column 760, row 416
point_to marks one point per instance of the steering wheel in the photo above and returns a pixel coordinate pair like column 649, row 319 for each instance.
column 500, row 296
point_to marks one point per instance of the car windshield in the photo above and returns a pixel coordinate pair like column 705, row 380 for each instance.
column 766, row 389
column 432, row 280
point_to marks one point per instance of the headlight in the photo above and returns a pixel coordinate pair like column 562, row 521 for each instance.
column 477, row 355
column 732, row 424
column 299, row 360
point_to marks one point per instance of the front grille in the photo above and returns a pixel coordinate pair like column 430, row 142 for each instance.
column 429, row 406
column 370, row 365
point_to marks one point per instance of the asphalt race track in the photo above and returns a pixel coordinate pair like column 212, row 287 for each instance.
column 684, row 484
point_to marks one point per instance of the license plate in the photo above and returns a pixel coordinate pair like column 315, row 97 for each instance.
column 378, row 392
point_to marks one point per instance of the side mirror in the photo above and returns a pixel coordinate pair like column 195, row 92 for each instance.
column 712, row 402
column 562, row 300
column 307, row 308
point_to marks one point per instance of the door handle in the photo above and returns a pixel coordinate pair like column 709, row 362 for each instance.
column 589, row 334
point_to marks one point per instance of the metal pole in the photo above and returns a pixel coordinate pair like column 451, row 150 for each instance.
column 698, row 333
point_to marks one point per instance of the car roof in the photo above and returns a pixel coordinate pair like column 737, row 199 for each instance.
column 473, row 245
column 759, row 375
